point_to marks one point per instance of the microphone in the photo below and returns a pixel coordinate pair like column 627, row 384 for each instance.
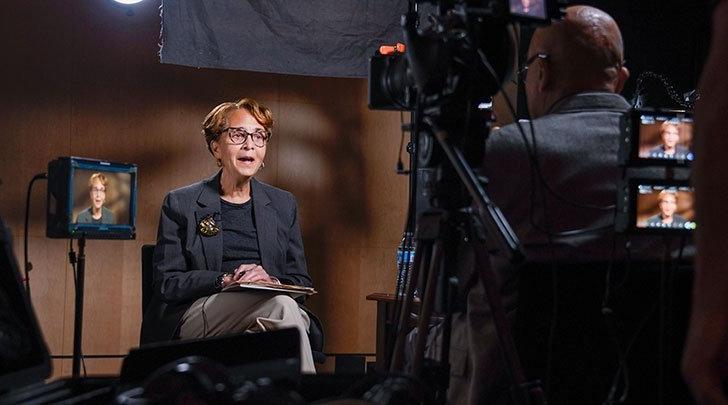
column 391, row 49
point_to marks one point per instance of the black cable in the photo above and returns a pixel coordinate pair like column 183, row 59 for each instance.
column 545, row 184
column 658, row 304
column 546, row 219
column 622, row 372
column 610, row 323
column 553, row 265
column 669, row 88
column 27, row 263
column 670, row 296
column 623, row 354
column 662, row 293
column 628, row 265
column 607, row 313
column 400, row 164
column 547, row 222
column 667, row 270
column 625, row 377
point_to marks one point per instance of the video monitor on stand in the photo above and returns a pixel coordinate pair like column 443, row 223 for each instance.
column 89, row 199
column 93, row 198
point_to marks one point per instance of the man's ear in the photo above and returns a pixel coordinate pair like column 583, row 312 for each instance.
column 622, row 76
column 546, row 77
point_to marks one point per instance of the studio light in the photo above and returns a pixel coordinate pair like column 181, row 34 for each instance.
column 128, row 1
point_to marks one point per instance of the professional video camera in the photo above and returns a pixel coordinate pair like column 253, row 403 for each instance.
column 457, row 55
column 468, row 39
column 447, row 72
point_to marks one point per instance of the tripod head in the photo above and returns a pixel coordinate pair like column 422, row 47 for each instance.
column 457, row 64
column 446, row 59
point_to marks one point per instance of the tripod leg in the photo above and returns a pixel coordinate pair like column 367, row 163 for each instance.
column 522, row 392
column 426, row 311
column 422, row 250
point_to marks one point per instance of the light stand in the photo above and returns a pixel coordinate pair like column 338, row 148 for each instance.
column 78, row 307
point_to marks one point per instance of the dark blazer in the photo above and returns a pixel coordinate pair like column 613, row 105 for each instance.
column 187, row 264
column 658, row 151
column 655, row 221
column 86, row 216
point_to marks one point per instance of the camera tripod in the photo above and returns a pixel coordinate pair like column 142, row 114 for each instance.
column 453, row 67
column 439, row 233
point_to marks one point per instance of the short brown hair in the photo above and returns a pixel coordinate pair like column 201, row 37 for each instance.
column 216, row 120
column 668, row 124
column 97, row 177
column 665, row 193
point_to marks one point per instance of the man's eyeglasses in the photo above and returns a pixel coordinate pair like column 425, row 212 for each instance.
column 524, row 68
column 98, row 190
column 238, row 136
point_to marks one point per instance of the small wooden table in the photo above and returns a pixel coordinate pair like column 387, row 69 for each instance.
column 385, row 314
column 385, row 307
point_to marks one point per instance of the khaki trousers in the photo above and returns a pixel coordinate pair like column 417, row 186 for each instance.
column 477, row 369
column 235, row 311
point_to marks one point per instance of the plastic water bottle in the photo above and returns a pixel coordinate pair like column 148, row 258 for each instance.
column 405, row 260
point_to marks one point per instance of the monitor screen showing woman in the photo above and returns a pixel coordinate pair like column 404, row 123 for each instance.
column 666, row 138
column 101, row 197
column 665, row 207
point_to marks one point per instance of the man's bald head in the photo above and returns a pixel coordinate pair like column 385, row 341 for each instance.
column 585, row 53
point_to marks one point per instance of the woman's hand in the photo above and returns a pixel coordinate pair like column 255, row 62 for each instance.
column 252, row 273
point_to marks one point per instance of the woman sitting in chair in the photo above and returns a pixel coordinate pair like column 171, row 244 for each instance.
column 227, row 229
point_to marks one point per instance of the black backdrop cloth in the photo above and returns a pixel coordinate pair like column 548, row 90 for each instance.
column 314, row 37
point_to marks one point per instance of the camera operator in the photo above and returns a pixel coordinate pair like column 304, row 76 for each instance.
column 573, row 72
column 556, row 184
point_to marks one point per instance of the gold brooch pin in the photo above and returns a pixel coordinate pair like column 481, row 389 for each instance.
column 208, row 227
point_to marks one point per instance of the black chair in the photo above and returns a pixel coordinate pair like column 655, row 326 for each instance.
column 315, row 334
column 147, row 276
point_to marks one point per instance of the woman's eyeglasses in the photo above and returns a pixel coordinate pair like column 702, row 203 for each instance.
column 238, row 136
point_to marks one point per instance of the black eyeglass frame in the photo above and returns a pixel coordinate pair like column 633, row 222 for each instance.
column 262, row 136
column 521, row 74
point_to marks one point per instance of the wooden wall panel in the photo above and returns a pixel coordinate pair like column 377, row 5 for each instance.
column 49, row 286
